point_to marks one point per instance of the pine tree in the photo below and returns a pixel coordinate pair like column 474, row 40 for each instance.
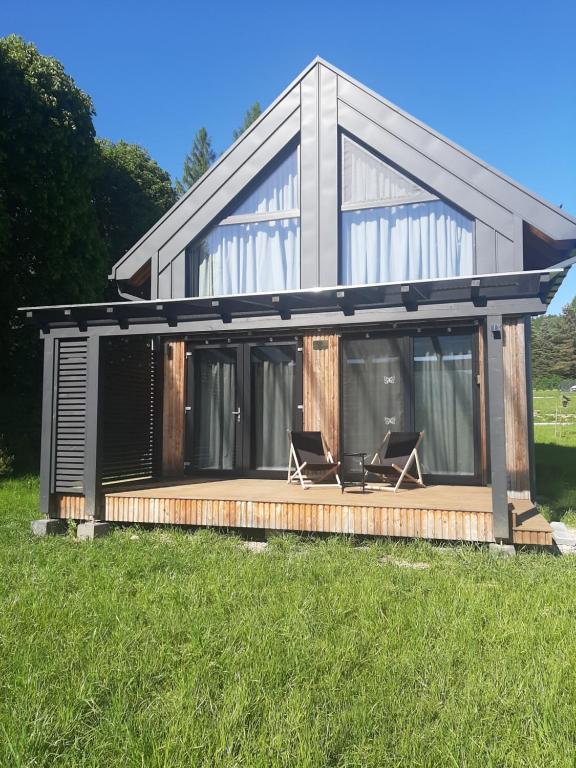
column 197, row 161
column 252, row 114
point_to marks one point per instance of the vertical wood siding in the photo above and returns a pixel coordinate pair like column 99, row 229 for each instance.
column 516, row 409
column 321, row 386
column 173, row 408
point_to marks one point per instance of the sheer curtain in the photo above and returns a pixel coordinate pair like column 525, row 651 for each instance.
column 375, row 382
column 248, row 258
column 444, row 403
column 273, row 390
column 253, row 249
column 215, row 399
column 405, row 242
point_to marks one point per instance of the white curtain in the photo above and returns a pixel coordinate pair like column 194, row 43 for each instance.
column 249, row 258
column 273, row 382
column 405, row 242
column 444, row 403
column 366, row 178
column 214, row 424
column 277, row 192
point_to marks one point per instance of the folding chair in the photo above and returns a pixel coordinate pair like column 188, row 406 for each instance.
column 397, row 453
column 309, row 454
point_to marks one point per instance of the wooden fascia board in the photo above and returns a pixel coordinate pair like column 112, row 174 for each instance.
column 486, row 180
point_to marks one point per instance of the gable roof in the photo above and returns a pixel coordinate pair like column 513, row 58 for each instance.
column 420, row 151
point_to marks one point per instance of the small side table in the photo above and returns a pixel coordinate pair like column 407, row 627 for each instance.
column 350, row 483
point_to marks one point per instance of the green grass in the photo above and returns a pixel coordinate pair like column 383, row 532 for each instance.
column 556, row 455
column 174, row 649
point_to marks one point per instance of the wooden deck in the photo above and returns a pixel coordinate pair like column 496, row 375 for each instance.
column 457, row 513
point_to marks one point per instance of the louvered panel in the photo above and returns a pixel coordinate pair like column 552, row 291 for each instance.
column 70, row 416
column 128, row 414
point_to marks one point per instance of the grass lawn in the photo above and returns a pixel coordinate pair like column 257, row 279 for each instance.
column 165, row 649
column 556, row 455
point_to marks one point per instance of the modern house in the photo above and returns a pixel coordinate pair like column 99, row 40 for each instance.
column 342, row 268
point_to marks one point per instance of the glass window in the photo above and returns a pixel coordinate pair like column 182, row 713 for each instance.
column 393, row 229
column 412, row 384
column 444, row 403
column 257, row 247
column 375, row 388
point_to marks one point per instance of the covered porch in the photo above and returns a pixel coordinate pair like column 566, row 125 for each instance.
column 438, row 512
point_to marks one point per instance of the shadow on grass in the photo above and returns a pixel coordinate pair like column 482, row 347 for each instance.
column 556, row 478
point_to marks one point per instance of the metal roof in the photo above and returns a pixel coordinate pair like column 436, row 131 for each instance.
column 477, row 289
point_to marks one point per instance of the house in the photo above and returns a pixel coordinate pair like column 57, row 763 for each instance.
column 343, row 268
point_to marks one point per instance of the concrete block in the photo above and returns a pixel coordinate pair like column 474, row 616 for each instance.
column 93, row 529
column 49, row 526
column 562, row 535
column 502, row 550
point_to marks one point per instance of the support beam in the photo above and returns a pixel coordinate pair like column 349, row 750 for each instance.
column 48, row 428
column 92, row 451
column 497, row 428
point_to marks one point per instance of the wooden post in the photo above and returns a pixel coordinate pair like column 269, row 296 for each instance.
column 48, row 429
column 516, row 409
column 92, row 454
column 173, row 405
column 321, row 388
column 497, row 428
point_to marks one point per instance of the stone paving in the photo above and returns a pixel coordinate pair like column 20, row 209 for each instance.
column 564, row 538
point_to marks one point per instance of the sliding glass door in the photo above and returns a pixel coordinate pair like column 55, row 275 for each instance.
column 444, row 403
column 242, row 400
column 414, row 382
column 215, row 408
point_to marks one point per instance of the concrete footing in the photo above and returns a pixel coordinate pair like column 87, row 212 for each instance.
column 93, row 529
column 49, row 526
column 502, row 550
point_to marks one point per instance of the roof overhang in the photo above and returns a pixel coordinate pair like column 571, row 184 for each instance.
column 478, row 290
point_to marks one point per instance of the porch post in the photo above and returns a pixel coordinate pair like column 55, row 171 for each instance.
column 92, row 452
column 498, row 470
column 48, row 428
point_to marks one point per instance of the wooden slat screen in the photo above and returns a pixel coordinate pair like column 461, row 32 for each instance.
column 128, row 412
column 70, row 406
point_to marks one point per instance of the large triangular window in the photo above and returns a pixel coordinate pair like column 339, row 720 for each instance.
column 393, row 229
column 256, row 246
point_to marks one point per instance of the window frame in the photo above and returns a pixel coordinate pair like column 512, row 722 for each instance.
column 192, row 263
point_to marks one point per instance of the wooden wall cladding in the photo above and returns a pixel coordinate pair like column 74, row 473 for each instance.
column 321, row 386
column 174, row 358
column 516, row 409
column 70, row 507
column 327, row 518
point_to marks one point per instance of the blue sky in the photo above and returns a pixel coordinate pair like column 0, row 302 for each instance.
column 497, row 77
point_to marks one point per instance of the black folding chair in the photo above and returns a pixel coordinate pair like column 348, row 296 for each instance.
column 310, row 454
column 393, row 460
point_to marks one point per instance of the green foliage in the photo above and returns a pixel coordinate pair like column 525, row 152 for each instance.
column 554, row 349
column 131, row 193
column 197, row 161
column 161, row 648
column 556, row 453
column 69, row 207
column 252, row 114
column 6, row 459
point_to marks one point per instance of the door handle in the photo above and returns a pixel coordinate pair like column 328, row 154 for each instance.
column 237, row 414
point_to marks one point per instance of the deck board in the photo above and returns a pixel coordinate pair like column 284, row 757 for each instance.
column 451, row 513
column 458, row 498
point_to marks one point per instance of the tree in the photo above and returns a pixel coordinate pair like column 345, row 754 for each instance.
column 252, row 114
column 50, row 248
column 197, row 161
column 554, row 348
column 131, row 193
